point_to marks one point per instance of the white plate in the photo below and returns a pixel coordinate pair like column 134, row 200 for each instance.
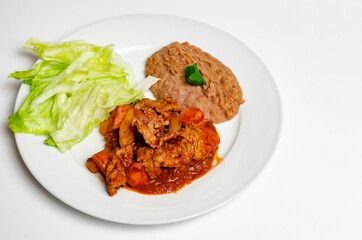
column 247, row 141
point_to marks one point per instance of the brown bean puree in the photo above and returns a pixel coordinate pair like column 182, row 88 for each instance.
column 219, row 99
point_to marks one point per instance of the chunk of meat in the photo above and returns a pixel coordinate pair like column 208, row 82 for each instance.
column 160, row 106
column 136, row 174
column 192, row 115
column 101, row 159
column 115, row 170
column 145, row 155
column 164, row 107
column 124, row 156
column 112, row 140
column 156, row 120
column 192, row 142
column 173, row 153
column 150, row 125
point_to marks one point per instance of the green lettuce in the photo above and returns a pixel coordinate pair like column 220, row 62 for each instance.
column 73, row 87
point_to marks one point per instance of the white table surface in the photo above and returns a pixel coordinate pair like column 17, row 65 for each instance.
column 311, row 188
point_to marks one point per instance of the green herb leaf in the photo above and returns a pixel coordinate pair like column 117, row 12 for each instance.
column 165, row 129
column 193, row 76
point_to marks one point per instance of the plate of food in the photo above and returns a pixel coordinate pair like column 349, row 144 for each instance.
column 145, row 119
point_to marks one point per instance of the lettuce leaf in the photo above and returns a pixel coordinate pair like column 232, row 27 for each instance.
column 73, row 88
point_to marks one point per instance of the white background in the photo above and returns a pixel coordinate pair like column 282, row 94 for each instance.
column 311, row 188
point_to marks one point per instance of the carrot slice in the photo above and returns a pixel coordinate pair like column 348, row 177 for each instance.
column 192, row 115
column 136, row 174
column 91, row 165
column 113, row 121
column 118, row 115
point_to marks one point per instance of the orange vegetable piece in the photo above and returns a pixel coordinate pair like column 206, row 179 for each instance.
column 101, row 159
column 192, row 115
column 175, row 125
column 126, row 129
column 91, row 165
column 103, row 127
column 210, row 136
column 113, row 121
column 136, row 174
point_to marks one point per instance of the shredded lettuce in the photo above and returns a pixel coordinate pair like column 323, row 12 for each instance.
column 73, row 87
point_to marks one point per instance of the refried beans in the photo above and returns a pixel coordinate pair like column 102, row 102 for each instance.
column 219, row 99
